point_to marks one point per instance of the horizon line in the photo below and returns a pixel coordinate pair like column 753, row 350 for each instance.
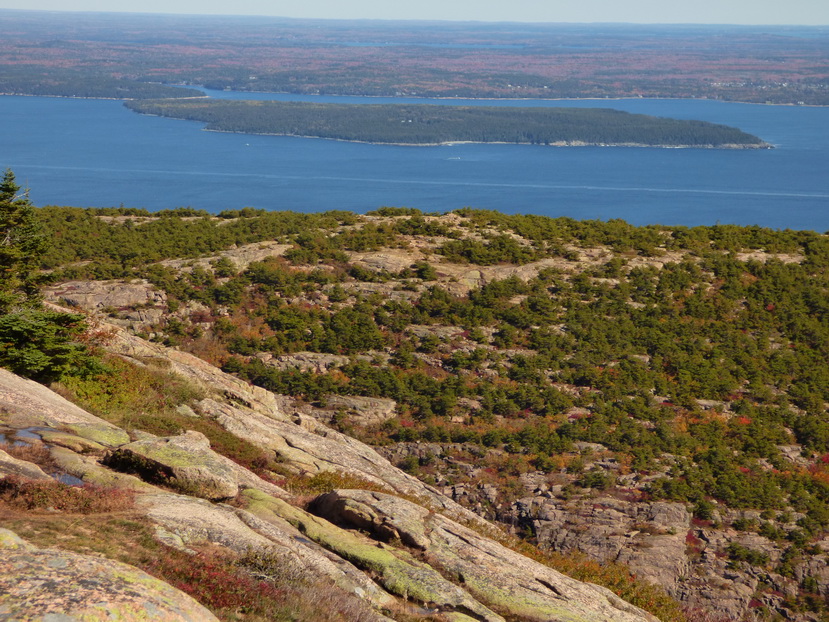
column 411, row 20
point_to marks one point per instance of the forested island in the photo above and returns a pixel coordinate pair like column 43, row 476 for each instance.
column 419, row 124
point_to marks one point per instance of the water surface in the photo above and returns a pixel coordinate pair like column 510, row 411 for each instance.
column 98, row 153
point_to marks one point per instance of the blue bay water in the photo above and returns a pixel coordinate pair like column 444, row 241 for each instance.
column 98, row 153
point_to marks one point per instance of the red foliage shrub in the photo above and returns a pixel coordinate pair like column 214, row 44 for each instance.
column 87, row 499
column 215, row 582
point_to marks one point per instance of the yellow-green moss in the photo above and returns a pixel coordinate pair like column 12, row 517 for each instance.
column 11, row 541
column 395, row 569
column 71, row 441
column 523, row 607
column 102, row 434
column 95, row 474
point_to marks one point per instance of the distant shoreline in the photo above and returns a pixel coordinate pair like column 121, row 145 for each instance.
column 450, row 143
column 499, row 99
column 106, row 99
column 427, row 97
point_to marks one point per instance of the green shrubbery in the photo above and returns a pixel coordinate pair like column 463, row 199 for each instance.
column 700, row 367
column 35, row 343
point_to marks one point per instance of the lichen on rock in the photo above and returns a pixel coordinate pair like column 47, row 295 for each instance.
column 495, row 575
column 46, row 584
column 185, row 462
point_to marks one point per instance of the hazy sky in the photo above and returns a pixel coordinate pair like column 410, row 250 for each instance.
column 811, row 12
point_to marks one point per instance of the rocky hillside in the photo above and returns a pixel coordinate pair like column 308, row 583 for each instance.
column 386, row 547
column 647, row 402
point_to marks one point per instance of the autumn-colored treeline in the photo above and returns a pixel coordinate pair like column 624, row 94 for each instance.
column 40, row 52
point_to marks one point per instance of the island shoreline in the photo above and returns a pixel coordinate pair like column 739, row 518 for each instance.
column 450, row 143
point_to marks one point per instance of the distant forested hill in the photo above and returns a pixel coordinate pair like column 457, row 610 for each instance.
column 781, row 64
column 81, row 83
column 428, row 124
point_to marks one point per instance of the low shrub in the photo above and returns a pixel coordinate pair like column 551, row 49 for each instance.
column 258, row 586
column 326, row 481
column 25, row 494
column 126, row 394
column 36, row 453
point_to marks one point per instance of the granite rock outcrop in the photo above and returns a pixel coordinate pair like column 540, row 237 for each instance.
column 181, row 485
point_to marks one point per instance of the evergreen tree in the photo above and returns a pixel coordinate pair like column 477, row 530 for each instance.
column 21, row 243
column 34, row 342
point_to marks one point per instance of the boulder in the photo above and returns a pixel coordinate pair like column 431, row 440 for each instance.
column 395, row 569
column 98, row 295
column 78, row 444
column 25, row 403
column 256, row 529
column 88, row 470
column 312, row 448
column 45, row 584
column 265, row 514
column 304, row 361
column 495, row 575
column 649, row 537
column 241, row 256
column 387, row 260
column 185, row 462
column 9, row 465
column 363, row 410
